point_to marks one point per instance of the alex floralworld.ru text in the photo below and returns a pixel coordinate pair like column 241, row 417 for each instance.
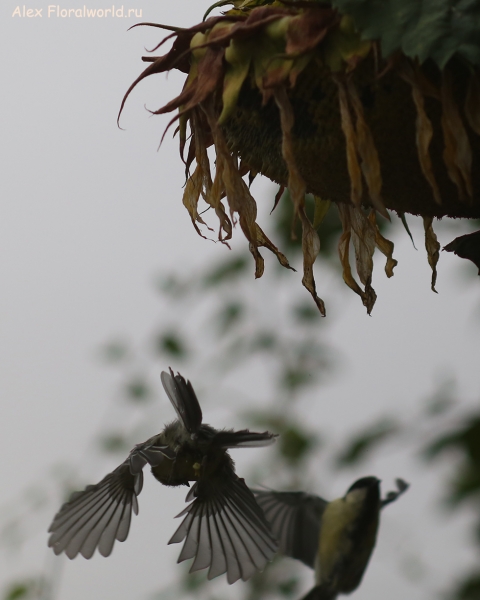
column 55, row 10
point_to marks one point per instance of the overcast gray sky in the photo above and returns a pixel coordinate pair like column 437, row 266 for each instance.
column 90, row 213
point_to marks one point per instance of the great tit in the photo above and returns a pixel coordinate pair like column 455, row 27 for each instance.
column 334, row 538
column 224, row 528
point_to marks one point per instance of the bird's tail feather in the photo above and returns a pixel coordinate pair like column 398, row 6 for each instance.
column 243, row 438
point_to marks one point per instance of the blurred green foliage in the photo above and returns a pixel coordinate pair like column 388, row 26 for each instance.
column 466, row 443
column 171, row 344
column 362, row 444
column 469, row 589
column 226, row 271
column 138, row 390
column 28, row 589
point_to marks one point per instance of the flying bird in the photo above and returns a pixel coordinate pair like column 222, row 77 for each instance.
column 223, row 528
column 335, row 538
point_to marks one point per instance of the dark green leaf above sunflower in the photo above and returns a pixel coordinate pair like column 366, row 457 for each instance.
column 422, row 29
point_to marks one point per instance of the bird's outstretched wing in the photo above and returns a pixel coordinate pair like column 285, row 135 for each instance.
column 184, row 400
column 295, row 518
column 99, row 515
column 225, row 530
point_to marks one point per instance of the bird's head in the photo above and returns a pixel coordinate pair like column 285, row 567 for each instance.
column 363, row 488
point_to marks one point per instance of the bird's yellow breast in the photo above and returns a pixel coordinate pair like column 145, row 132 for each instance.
column 344, row 547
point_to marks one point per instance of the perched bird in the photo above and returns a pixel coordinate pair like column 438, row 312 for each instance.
column 334, row 538
column 224, row 528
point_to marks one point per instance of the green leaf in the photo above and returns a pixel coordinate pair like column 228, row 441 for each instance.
column 229, row 316
column 171, row 285
column 466, row 439
column 17, row 591
column 442, row 400
column 264, row 341
column 294, row 443
column 306, row 313
column 226, row 271
column 469, row 589
column 465, row 485
column 137, row 390
column 295, row 377
column 115, row 351
column 171, row 344
column 363, row 443
column 288, row 587
column 113, row 443
column 436, row 29
column 25, row 590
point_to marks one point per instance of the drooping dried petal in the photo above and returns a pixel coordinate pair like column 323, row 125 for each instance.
column 433, row 247
column 212, row 192
column 367, row 151
column 191, row 195
column 310, row 248
column 363, row 238
column 239, row 198
column 385, row 246
column 368, row 295
column 423, row 128
column 297, row 189
column 356, row 187
column 161, row 64
column 263, row 240
column 457, row 153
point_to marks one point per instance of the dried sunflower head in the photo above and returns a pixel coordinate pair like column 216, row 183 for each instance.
column 292, row 91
